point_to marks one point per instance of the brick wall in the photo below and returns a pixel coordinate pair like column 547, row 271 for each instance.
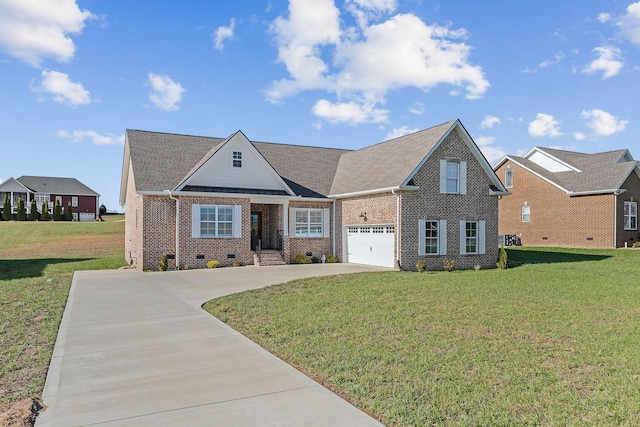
column 632, row 194
column 556, row 218
column 428, row 203
column 133, row 225
column 317, row 246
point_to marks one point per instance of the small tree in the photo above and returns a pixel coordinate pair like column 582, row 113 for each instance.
column 33, row 211
column 163, row 265
column 22, row 214
column 44, row 216
column 6, row 210
column 57, row 211
column 503, row 260
column 69, row 212
column 102, row 210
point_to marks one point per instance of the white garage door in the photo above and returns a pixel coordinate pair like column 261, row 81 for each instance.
column 372, row 245
column 86, row 216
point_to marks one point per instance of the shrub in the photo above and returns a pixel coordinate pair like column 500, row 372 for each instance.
column 6, row 210
column 421, row 264
column 163, row 265
column 22, row 213
column 636, row 245
column 301, row 259
column 503, row 260
column 477, row 267
column 315, row 260
column 331, row 259
column 212, row 263
column 449, row 264
column 69, row 212
column 34, row 211
column 57, row 211
column 44, row 216
column 102, row 210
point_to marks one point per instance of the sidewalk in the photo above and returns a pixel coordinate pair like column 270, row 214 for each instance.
column 137, row 349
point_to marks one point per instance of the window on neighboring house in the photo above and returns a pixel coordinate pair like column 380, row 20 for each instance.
column 526, row 213
column 216, row 221
column 630, row 215
column 433, row 237
column 41, row 198
column 237, row 159
column 309, row 222
column 74, row 202
column 508, row 178
column 453, row 177
column 472, row 237
column 59, row 200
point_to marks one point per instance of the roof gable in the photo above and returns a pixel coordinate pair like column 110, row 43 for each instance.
column 247, row 170
column 14, row 185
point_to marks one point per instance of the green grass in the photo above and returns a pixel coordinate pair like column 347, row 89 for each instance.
column 553, row 341
column 37, row 261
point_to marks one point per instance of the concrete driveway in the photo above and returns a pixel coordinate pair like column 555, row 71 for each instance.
column 137, row 349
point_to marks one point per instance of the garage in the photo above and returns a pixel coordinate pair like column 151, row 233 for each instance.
column 371, row 245
column 87, row 216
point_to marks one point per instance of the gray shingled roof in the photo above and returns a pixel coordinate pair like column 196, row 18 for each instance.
column 54, row 185
column 387, row 164
column 598, row 172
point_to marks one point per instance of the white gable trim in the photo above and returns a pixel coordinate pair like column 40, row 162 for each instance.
column 537, row 150
column 241, row 138
column 486, row 167
column 12, row 180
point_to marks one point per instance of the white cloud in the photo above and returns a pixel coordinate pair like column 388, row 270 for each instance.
column 401, row 131
column 95, row 137
column 604, row 17
column 629, row 23
column 579, row 136
column 489, row 121
column 603, row 123
column 166, row 94
column 365, row 10
column 63, row 90
column 360, row 65
column 32, row 30
column 556, row 59
column 417, row 108
column 544, row 125
column 223, row 33
column 608, row 61
column 491, row 153
column 349, row 112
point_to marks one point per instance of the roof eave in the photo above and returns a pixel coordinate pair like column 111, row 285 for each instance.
column 615, row 191
column 372, row 191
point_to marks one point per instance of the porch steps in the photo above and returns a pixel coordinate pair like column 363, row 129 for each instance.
column 268, row 257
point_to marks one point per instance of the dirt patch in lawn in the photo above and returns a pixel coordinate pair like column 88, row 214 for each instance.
column 21, row 413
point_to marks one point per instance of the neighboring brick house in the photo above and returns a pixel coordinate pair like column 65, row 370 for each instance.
column 418, row 196
column 568, row 199
column 84, row 201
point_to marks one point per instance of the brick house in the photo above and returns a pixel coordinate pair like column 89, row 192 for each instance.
column 418, row 196
column 84, row 201
column 568, row 199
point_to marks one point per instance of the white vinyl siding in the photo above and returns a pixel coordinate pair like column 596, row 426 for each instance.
column 453, row 177
column 432, row 237
column 630, row 215
column 209, row 221
column 309, row 222
column 472, row 237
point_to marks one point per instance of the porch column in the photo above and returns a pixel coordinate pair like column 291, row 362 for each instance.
column 285, row 218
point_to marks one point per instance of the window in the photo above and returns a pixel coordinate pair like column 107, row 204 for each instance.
column 216, row 221
column 309, row 223
column 453, row 177
column 508, row 178
column 526, row 213
column 237, row 159
column 630, row 215
column 472, row 237
column 433, row 237
column 74, row 202
column 40, row 198
column 59, row 200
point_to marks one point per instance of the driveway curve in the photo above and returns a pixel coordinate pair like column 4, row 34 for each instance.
column 137, row 349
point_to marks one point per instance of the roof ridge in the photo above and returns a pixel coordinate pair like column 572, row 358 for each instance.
column 404, row 136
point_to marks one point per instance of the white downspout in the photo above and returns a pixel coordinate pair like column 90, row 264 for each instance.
column 333, row 232
column 397, row 233
column 177, row 228
column 615, row 219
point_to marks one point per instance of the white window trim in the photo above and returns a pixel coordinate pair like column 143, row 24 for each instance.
column 462, row 177
column 481, row 240
column 442, row 237
column 236, row 222
column 325, row 222
column 508, row 178
column 236, row 156
column 74, row 201
column 627, row 217
column 528, row 213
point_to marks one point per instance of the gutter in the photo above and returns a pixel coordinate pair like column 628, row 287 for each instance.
column 233, row 195
column 377, row 190
column 616, row 191
column 177, row 229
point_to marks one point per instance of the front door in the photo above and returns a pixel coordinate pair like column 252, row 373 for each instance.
column 256, row 229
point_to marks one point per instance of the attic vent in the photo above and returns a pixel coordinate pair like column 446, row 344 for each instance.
column 493, row 187
column 411, row 182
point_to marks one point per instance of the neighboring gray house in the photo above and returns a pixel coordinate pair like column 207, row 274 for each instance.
column 84, row 200
column 428, row 195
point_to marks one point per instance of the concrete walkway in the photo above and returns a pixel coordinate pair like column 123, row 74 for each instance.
column 137, row 349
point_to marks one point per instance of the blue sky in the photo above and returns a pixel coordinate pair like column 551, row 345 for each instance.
column 345, row 73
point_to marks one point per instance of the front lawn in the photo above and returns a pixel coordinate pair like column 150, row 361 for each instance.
column 554, row 340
